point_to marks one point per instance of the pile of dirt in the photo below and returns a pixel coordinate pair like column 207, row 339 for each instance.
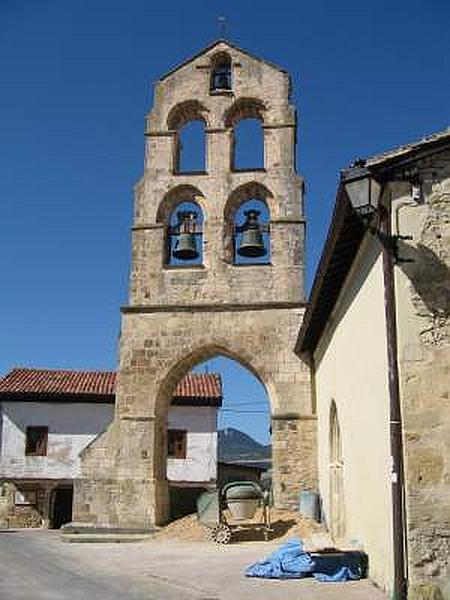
column 285, row 524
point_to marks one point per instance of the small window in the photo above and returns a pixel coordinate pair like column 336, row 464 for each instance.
column 176, row 443
column 36, row 441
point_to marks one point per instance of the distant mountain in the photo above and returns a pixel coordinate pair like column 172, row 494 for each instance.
column 235, row 445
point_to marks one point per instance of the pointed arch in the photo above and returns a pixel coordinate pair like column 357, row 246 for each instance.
column 336, row 474
column 186, row 362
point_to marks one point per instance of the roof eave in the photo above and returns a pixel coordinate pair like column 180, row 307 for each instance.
column 56, row 397
column 196, row 401
column 409, row 153
column 346, row 231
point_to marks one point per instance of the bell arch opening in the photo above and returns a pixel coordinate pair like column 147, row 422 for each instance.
column 217, row 429
column 184, row 235
column 221, row 74
column 251, row 240
column 247, row 226
column 181, row 213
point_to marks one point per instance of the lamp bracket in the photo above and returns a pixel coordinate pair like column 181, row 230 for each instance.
column 390, row 243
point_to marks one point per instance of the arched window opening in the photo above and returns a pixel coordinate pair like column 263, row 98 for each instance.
column 248, row 145
column 187, row 120
column 245, row 117
column 251, row 242
column 185, row 235
column 220, row 73
column 190, row 151
column 218, row 431
column 337, row 505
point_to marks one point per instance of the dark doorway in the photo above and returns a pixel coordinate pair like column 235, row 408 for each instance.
column 62, row 506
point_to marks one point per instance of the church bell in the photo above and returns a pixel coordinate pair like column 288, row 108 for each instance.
column 222, row 81
column 252, row 243
column 186, row 245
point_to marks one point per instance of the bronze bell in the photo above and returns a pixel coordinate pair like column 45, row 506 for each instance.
column 252, row 243
column 222, row 81
column 186, row 245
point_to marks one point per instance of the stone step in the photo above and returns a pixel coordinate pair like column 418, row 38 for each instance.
column 105, row 538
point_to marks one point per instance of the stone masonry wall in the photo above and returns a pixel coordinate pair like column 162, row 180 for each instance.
column 129, row 460
column 294, row 452
column 423, row 301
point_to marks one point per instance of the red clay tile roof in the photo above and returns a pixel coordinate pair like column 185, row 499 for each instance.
column 194, row 388
column 199, row 389
column 44, row 381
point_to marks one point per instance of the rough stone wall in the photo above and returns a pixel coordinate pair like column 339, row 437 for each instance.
column 294, row 452
column 219, row 190
column 423, row 304
column 26, row 515
column 180, row 316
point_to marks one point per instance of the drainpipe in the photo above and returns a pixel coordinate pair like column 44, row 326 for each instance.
column 395, row 418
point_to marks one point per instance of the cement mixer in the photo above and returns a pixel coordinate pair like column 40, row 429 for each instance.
column 232, row 507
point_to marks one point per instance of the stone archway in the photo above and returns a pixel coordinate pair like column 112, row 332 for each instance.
column 174, row 374
column 198, row 428
column 158, row 348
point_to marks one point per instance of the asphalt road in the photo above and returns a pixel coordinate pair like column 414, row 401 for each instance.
column 37, row 565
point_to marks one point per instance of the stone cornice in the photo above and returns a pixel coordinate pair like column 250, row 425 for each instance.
column 155, row 308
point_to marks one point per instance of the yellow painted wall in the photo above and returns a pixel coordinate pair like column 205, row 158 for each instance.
column 352, row 369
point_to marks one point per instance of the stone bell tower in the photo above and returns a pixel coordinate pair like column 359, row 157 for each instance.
column 184, row 311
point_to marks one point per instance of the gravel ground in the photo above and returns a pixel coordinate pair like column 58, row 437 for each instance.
column 285, row 524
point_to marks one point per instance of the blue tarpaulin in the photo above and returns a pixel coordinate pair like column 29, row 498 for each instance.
column 291, row 561
column 344, row 574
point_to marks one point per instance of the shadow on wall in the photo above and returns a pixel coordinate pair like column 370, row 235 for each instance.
column 429, row 275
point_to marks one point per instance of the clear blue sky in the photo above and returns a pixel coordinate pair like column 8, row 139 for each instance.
column 76, row 80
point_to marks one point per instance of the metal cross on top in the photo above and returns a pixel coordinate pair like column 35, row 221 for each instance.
column 223, row 26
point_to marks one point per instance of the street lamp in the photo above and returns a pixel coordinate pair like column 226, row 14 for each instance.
column 362, row 189
column 364, row 192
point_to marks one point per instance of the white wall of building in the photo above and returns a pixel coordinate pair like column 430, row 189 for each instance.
column 70, row 428
column 352, row 369
column 200, row 464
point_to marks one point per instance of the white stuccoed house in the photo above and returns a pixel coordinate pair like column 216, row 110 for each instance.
column 47, row 417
